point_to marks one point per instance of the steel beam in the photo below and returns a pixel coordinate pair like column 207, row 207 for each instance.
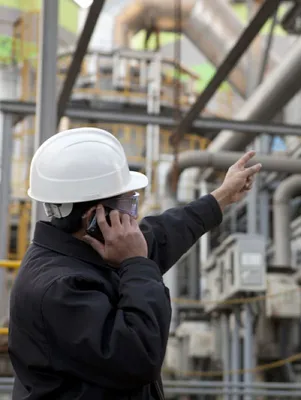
column 267, row 51
column 5, row 193
column 79, row 54
column 200, row 126
column 244, row 41
column 46, row 93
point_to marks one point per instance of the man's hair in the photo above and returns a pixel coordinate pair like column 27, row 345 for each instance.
column 73, row 222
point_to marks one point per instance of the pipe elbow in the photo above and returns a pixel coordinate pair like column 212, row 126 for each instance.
column 288, row 189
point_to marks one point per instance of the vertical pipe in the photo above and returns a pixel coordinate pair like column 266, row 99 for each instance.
column 204, row 244
column 252, row 200
column 152, row 137
column 287, row 190
column 263, row 197
column 251, row 86
column 149, row 160
column 248, row 349
column 225, row 328
column 156, row 164
column 5, row 188
column 264, row 213
column 235, row 351
column 46, row 88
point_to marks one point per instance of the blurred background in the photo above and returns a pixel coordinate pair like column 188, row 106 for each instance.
column 186, row 86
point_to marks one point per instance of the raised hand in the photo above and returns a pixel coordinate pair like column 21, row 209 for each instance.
column 238, row 181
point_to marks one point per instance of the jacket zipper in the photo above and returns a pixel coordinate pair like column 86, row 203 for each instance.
column 159, row 391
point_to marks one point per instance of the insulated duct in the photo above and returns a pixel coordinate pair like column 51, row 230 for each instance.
column 270, row 97
column 212, row 27
column 286, row 191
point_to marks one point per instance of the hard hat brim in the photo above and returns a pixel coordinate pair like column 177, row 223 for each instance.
column 137, row 181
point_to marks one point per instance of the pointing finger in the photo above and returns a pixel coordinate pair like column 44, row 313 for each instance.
column 241, row 163
column 249, row 172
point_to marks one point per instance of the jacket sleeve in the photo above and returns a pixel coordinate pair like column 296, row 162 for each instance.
column 172, row 233
column 106, row 343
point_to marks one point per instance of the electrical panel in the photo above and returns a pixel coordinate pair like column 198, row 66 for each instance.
column 201, row 344
column 283, row 296
column 237, row 267
column 197, row 338
column 210, row 273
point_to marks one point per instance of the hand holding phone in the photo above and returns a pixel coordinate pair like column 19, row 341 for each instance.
column 93, row 228
column 122, row 237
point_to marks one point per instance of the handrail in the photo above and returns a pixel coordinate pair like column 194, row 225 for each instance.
column 12, row 264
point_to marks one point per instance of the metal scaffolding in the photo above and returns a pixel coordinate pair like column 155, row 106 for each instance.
column 138, row 116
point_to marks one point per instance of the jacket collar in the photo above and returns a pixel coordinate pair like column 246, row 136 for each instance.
column 47, row 236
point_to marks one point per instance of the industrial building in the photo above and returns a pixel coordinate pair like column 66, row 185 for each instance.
column 186, row 86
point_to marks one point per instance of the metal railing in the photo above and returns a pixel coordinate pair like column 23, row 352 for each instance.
column 216, row 389
column 255, row 391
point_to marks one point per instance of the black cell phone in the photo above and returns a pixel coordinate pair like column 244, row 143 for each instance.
column 93, row 228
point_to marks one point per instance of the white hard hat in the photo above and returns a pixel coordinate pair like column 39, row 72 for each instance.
column 81, row 165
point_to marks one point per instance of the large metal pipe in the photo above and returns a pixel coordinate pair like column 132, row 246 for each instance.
column 212, row 27
column 271, row 96
column 287, row 190
column 222, row 161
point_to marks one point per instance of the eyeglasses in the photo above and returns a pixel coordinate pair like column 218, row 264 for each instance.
column 127, row 204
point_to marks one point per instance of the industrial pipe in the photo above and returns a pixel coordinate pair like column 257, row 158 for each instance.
column 270, row 97
column 287, row 190
column 222, row 161
column 215, row 17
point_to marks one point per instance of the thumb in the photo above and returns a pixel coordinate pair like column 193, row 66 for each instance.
column 96, row 244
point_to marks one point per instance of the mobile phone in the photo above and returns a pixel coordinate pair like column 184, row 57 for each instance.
column 93, row 228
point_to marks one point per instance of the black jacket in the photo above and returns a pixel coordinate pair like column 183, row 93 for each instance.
column 80, row 330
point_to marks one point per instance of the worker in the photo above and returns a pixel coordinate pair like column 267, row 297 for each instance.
column 90, row 315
